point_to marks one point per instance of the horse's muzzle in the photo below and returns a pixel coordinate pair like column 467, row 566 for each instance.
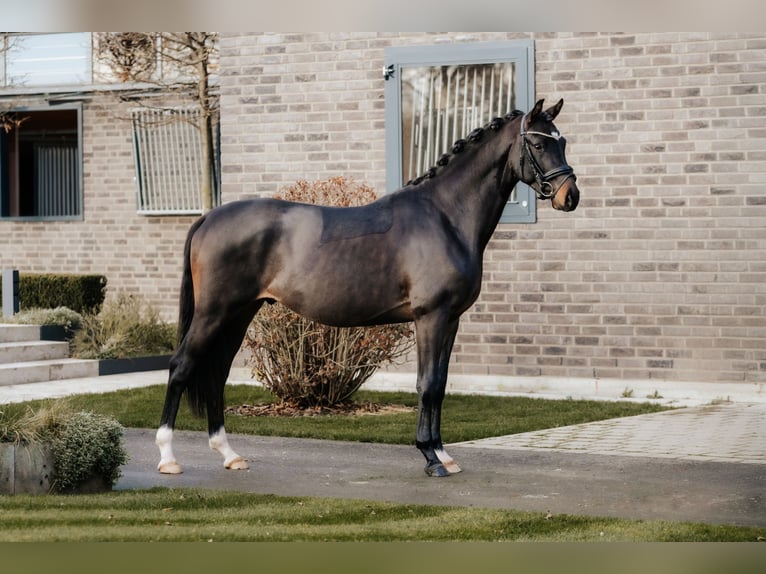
column 567, row 196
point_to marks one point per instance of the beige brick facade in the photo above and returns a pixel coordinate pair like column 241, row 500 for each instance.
column 659, row 274
column 138, row 254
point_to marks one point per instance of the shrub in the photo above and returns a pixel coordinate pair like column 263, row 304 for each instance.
column 308, row 364
column 61, row 316
column 81, row 293
column 84, row 444
column 125, row 327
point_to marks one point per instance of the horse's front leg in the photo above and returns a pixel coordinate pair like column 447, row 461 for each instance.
column 435, row 337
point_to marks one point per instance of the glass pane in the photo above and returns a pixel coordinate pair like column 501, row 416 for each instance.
column 441, row 104
column 49, row 59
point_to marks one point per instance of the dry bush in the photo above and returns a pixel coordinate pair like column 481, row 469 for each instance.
column 308, row 364
column 126, row 326
column 336, row 191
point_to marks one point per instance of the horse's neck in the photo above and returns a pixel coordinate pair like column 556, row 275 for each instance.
column 472, row 205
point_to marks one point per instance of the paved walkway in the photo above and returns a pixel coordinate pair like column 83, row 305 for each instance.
column 725, row 432
column 716, row 433
column 703, row 463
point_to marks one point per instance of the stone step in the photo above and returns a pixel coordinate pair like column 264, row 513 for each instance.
column 42, row 371
column 25, row 351
column 11, row 333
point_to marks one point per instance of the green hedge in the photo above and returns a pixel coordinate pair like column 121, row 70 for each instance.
column 81, row 293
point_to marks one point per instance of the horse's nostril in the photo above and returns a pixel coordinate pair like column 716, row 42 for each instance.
column 573, row 198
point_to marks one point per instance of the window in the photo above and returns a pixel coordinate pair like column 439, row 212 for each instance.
column 438, row 94
column 40, row 159
column 168, row 158
column 45, row 59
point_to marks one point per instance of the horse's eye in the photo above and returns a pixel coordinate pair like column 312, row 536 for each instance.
column 538, row 146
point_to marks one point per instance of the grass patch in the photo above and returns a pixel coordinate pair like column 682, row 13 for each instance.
column 465, row 417
column 204, row 515
column 165, row 515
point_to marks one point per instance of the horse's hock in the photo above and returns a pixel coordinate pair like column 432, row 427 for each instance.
column 25, row 469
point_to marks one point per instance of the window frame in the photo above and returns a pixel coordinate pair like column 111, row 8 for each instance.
column 80, row 195
column 156, row 148
column 520, row 52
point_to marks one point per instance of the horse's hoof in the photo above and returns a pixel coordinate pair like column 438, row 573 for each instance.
column 448, row 462
column 437, row 470
column 171, row 467
column 238, row 463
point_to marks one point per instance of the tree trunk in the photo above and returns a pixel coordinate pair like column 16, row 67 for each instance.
column 206, row 138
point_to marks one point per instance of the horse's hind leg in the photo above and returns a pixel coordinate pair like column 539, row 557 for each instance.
column 164, row 438
column 217, row 438
column 227, row 343
column 201, row 366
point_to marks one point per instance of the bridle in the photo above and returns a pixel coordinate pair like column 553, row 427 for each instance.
column 545, row 190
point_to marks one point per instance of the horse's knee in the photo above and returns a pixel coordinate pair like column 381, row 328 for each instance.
column 431, row 391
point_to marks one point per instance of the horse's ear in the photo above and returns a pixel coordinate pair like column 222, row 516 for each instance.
column 534, row 112
column 537, row 109
column 553, row 111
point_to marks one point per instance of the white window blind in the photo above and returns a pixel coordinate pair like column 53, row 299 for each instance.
column 56, row 182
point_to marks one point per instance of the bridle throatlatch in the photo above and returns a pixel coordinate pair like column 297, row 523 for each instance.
column 545, row 190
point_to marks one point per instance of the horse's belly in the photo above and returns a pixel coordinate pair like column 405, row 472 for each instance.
column 348, row 305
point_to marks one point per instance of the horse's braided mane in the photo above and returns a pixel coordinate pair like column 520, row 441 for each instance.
column 460, row 145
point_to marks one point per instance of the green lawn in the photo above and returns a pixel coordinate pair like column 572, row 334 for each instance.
column 191, row 515
column 465, row 417
column 201, row 515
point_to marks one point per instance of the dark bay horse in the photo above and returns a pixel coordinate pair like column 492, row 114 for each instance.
column 413, row 255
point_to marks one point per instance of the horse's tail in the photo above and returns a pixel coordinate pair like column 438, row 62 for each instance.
column 195, row 394
column 186, row 302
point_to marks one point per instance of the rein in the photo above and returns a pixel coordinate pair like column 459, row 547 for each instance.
column 546, row 190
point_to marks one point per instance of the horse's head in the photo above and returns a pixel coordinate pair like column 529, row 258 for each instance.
column 541, row 161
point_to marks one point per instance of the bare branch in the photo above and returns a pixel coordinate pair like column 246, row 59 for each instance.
column 132, row 56
column 179, row 64
column 10, row 121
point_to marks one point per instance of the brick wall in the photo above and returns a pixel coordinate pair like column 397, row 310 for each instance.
column 138, row 254
column 659, row 274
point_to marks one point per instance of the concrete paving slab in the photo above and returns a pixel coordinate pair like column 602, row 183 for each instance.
column 703, row 463
column 532, row 480
column 715, row 433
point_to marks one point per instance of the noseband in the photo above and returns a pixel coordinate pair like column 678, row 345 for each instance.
column 545, row 190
